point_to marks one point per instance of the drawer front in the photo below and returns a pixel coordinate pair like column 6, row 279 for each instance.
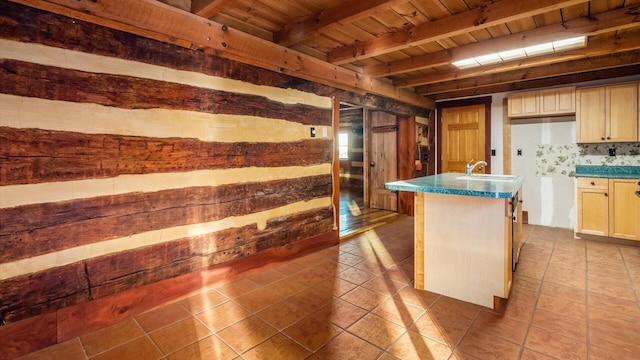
column 595, row 183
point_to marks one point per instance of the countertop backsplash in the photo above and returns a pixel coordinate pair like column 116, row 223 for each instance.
column 561, row 159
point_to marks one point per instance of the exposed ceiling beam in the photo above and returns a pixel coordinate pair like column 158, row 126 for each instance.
column 594, row 48
column 207, row 8
column 476, row 19
column 152, row 19
column 346, row 12
column 619, row 19
column 542, row 83
column 539, row 72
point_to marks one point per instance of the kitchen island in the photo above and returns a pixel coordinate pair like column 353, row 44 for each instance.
column 467, row 233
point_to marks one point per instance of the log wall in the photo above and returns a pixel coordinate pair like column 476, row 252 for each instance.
column 125, row 161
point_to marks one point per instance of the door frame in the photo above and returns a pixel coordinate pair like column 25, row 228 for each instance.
column 486, row 101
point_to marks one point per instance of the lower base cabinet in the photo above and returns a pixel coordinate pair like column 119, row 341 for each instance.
column 609, row 207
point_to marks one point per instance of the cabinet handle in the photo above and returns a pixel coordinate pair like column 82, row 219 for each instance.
column 601, row 138
column 606, row 195
column 608, row 137
column 593, row 183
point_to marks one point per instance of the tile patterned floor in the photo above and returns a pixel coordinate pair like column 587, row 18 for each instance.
column 572, row 299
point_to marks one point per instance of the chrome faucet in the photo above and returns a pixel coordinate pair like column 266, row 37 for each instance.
column 468, row 170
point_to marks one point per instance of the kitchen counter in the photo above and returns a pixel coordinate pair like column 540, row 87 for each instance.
column 609, row 172
column 467, row 233
column 460, row 184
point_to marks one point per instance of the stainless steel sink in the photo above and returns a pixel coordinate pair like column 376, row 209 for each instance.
column 489, row 177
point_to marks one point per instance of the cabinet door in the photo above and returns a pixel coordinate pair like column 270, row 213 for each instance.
column 523, row 104
column 593, row 206
column 558, row 101
column 624, row 209
column 590, row 115
column 622, row 113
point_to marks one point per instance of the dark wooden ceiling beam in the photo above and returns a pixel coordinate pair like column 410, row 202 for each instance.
column 347, row 12
column 152, row 19
column 602, row 46
column 542, row 83
column 479, row 18
column 620, row 19
column 538, row 72
column 207, row 8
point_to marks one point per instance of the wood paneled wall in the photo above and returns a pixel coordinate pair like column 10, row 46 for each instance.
column 125, row 161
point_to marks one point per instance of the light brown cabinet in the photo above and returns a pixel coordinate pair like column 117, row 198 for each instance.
column 548, row 102
column 607, row 114
column 609, row 207
column 559, row 101
column 593, row 206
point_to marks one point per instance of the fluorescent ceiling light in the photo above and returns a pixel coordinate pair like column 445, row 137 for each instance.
column 534, row 50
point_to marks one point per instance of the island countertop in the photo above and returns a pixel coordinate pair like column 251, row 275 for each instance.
column 460, row 184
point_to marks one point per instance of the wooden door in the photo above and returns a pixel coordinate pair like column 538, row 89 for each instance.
column 624, row 209
column 463, row 137
column 383, row 160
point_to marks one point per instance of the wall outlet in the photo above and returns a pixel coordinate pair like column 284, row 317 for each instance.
column 612, row 151
column 312, row 132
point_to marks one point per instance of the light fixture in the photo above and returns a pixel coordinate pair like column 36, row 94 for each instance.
column 519, row 53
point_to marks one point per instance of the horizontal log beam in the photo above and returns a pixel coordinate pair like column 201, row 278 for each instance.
column 599, row 47
column 619, row 19
column 476, row 19
column 192, row 31
column 542, row 83
column 207, row 8
column 539, row 72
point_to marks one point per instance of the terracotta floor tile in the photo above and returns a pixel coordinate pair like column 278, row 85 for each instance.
column 309, row 277
column 110, row 337
column 459, row 355
column 285, row 287
column 485, row 346
column 342, row 313
column 237, row 288
column 364, row 298
column 68, row 350
column 504, row 327
column 383, row 285
column 376, row 267
column 412, row 345
column 349, row 259
column 166, row 315
column 179, row 335
column 282, row 314
column 457, row 310
column 399, row 274
column 442, row 329
column 598, row 353
column 618, row 281
column 620, row 306
column 203, row 301
column 526, row 283
column 289, row 268
column 387, row 356
column 311, row 299
column 528, row 354
column 138, row 349
column 614, row 332
column 208, row 348
column 418, row 298
column 277, row 347
column 266, row 277
column 564, row 292
column 398, row 312
column 560, row 324
column 356, row 276
column 348, row 347
column 223, row 315
column 599, row 316
column 560, row 278
column 555, row 345
column 313, row 331
column 247, row 333
column 336, row 286
column 605, row 288
column 377, row 330
column 562, row 306
column 257, row 300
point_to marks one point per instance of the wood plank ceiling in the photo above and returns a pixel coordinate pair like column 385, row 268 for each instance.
column 400, row 49
column 411, row 43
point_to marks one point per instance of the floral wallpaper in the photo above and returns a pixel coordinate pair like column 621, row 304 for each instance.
column 554, row 159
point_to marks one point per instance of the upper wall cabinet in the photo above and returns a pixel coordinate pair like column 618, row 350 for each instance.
column 607, row 114
column 550, row 102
